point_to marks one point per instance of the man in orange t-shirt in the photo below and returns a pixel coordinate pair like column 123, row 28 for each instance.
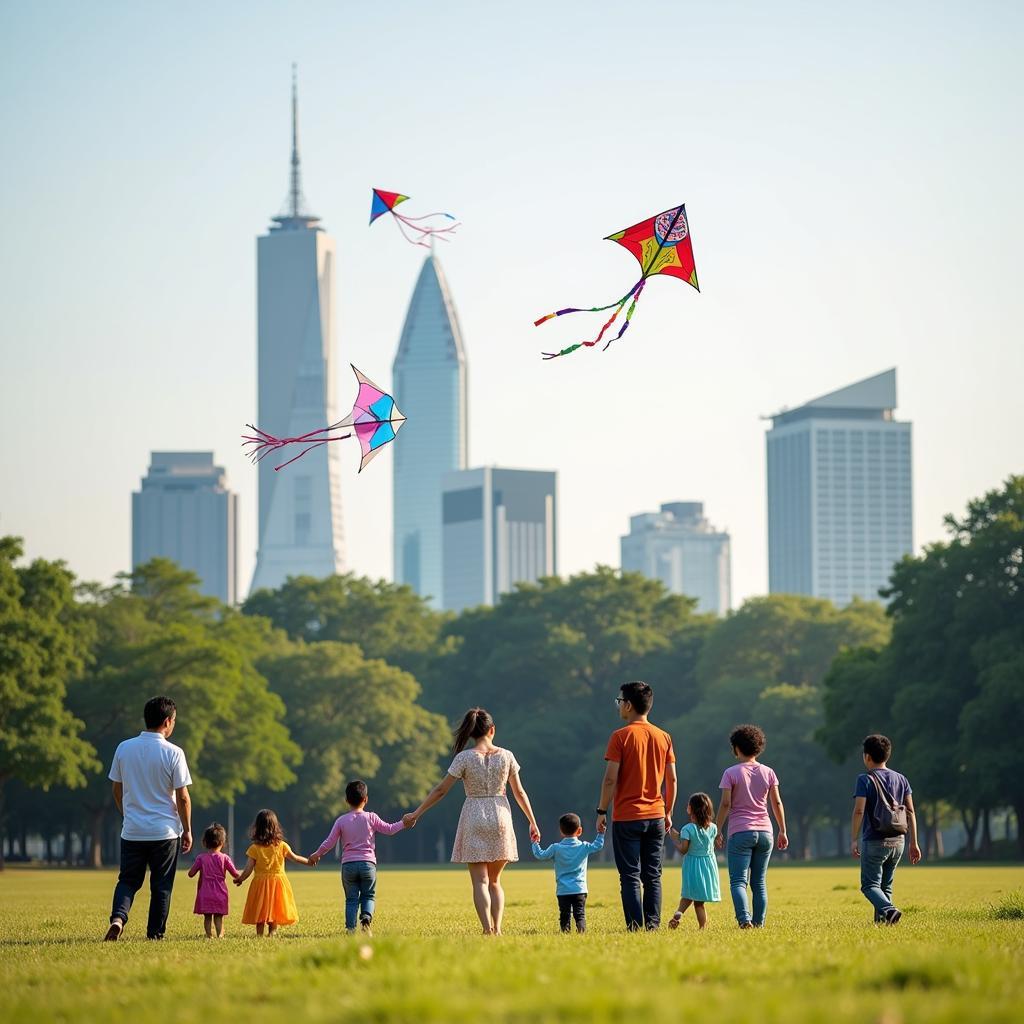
column 640, row 762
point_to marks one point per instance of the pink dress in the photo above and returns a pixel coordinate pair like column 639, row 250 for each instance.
column 485, row 830
column 212, row 894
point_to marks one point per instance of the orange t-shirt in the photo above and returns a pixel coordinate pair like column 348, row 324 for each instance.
column 641, row 751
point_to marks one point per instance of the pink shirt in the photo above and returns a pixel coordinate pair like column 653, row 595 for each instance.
column 749, row 783
column 356, row 831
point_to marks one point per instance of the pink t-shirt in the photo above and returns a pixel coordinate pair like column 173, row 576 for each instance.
column 356, row 831
column 749, row 783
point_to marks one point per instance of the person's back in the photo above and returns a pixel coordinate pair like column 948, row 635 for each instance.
column 150, row 769
column 643, row 752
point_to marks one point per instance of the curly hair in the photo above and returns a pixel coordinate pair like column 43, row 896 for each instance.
column 749, row 740
column 266, row 829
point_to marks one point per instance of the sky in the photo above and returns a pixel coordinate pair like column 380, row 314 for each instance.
column 852, row 179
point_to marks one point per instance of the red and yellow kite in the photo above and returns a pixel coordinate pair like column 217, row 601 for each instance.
column 662, row 245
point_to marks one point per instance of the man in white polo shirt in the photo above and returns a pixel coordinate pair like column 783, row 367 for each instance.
column 150, row 780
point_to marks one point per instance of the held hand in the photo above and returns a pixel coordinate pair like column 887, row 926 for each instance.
column 719, row 842
column 783, row 841
column 237, row 881
column 313, row 860
column 409, row 820
column 855, row 849
column 602, row 823
column 534, row 833
column 915, row 853
column 674, row 833
column 668, row 822
column 186, row 842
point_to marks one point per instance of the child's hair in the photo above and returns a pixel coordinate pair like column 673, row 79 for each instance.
column 748, row 740
column 476, row 722
column 700, row 806
column 569, row 824
column 266, row 829
column 215, row 836
column 878, row 747
column 355, row 793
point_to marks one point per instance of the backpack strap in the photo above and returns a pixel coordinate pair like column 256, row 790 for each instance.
column 882, row 794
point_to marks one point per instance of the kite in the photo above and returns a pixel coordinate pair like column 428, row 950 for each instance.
column 385, row 202
column 661, row 245
column 375, row 420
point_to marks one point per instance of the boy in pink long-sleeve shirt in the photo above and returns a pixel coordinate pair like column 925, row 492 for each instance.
column 357, row 832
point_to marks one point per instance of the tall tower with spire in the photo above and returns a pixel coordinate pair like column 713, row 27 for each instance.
column 430, row 385
column 299, row 510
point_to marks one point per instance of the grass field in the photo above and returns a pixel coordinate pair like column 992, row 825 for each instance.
column 819, row 959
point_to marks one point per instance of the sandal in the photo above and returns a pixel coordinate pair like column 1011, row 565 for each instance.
column 676, row 918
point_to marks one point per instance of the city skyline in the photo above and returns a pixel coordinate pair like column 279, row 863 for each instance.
column 829, row 176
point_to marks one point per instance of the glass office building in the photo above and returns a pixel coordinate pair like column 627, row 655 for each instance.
column 839, row 493
column 430, row 387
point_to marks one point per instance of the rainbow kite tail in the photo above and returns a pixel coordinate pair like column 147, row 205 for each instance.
column 633, row 293
column 629, row 317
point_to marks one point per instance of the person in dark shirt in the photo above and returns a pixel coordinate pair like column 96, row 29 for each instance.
column 880, row 854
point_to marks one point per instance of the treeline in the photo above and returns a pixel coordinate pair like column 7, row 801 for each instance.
column 282, row 701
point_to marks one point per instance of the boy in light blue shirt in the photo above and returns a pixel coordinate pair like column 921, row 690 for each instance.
column 570, row 857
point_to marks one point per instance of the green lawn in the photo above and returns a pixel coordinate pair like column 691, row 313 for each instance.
column 819, row 959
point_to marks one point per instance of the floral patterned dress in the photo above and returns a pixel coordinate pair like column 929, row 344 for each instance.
column 485, row 830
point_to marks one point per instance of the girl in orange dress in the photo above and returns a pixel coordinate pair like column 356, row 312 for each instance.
column 270, row 901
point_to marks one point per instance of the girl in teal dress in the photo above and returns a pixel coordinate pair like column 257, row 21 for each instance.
column 700, row 869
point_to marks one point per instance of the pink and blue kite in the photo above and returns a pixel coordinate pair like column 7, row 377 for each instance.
column 375, row 420
column 385, row 202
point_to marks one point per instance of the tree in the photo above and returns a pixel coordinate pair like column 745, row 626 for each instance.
column 41, row 646
column 162, row 636
column 386, row 620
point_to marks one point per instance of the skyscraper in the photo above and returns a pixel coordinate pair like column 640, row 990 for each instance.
column 839, row 493
column 300, row 510
column 499, row 529
column 430, row 386
column 682, row 549
column 185, row 512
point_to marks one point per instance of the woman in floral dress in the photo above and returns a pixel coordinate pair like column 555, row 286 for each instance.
column 485, row 839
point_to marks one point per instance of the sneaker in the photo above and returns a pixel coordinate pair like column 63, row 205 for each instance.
column 114, row 931
column 364, row 925
column 892, row 916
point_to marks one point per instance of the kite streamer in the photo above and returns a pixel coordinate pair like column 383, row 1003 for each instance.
column 662, row 245
column 410, row 227
column 375, row 420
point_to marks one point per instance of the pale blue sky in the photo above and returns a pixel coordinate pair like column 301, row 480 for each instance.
column 851, row 171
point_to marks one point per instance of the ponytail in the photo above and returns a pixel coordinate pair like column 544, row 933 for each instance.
column 476, row 722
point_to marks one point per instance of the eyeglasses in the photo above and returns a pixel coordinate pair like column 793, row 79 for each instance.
column 620, row 701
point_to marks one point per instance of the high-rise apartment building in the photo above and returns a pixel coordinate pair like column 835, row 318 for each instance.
column 682, row 549
column 184, row 511
column 499, row 529
column 299, row 510
column 839, row 493
column 430, row 386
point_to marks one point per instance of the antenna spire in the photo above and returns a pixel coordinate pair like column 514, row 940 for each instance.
column 295, row 190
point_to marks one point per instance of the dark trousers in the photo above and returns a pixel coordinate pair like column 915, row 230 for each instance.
column 639, row 847
column 571, row 908
column 161, row 857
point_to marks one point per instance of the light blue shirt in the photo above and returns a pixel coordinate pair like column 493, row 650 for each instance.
column 570, row 857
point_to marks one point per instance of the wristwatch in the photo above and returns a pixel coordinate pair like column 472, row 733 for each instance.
column 600, row 811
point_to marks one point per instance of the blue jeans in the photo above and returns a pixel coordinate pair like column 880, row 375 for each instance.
column 748, row 856
column 359, row 880
column 639, row 847
column 161, row 857
column 878, row 860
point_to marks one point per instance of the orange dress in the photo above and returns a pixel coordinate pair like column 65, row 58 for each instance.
column 270, row 899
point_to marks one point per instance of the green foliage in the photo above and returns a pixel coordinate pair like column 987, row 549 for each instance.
column 352, row 717
column 42, row 642
column 1010, row 907
column 386, row 620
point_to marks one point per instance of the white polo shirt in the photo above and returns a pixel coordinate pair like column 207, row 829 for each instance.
column 150, row 769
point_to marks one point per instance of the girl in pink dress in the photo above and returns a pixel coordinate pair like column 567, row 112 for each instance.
column 212, row 867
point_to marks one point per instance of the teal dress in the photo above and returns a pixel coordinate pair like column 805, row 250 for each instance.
column 700, row 869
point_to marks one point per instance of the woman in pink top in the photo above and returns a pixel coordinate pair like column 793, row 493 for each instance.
column 212, row 892
column 747, row 788
column 357, row 832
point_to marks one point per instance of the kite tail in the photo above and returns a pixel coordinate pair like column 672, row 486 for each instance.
column 424, row 231
column 633, row 293
column 261, row 444
column 629, row 317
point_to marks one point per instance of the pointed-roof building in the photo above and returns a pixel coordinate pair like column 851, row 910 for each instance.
column 430, row 386
column 839, row 493
column 300, row 510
